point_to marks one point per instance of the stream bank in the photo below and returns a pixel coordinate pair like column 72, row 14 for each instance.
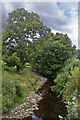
column 50, row 106
column 29, row 103
column 40, row 104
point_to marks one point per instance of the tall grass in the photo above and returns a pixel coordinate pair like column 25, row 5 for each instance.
column 17, row 86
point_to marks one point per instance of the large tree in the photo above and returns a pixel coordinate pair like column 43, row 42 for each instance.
column 23, row 29
column 50, row 53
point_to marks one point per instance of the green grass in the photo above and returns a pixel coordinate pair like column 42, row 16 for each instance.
column 17, row 86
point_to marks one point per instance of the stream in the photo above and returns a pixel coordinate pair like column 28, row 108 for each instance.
column 50, row 106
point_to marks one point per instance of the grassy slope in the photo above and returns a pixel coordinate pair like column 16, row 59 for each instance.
column 17, row 86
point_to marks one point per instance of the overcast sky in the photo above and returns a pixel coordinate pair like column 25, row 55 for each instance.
column 59, row 16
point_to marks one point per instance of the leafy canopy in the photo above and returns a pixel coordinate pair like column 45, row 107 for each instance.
column 50, row 53
column 22, row 30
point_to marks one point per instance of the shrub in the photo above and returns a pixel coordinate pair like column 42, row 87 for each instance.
column 17, row 86
column 64, row 76
column 10, row 91
column 72, row 95
column 67, row 85
column 11, row 69
column 27, row 64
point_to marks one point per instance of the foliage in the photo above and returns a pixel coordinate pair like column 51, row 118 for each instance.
column 14, row 86
column 78, row 54
column 72, row 94
column 0, row 73
column 71, row 87
column 50, row 53
column 5, row 67
column 64, row 75
column 11, row 90
column 27, row 64
column 67, row 85
column 28, row 42
column 22, row 30
column 26, row 39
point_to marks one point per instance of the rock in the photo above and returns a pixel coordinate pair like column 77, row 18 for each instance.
column 36, row 108
column 33, row 101
column 21, row 115
column 24, row 104
column 26, row 109
column 15, row 112
column 30, row 113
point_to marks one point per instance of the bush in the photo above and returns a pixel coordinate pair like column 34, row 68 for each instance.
column 5, row 67
column 51, row 58
column 10, row 91
column 67, row 85
column 14, row 86
column 10, row 61
column 64, row 76
column 27, row 64
column 72, row 95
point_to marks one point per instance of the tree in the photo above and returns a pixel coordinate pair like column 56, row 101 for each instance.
column 67, row 86
column 65, row 75
column 50, row 53
column 22, row 30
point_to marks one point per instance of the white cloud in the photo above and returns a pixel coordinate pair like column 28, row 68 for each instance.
column 73, row 27
column 8, row 7
column 72, row 32
column 52, row 14
column 55, row 31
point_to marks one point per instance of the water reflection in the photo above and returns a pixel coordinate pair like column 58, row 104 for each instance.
column 35, row 118
column 50, row 107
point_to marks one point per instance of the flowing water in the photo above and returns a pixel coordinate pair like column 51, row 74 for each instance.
column 50, row 107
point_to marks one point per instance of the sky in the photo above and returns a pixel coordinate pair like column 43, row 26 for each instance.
column 61, row 17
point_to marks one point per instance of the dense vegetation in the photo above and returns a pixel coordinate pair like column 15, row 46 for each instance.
column 67, row 85
column 17, row 86
column 22, row 30
column 27, row 40
column 50, row 53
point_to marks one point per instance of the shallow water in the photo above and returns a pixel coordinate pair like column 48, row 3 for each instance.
column 50, row 107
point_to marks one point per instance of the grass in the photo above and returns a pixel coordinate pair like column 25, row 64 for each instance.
column 17, row 86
